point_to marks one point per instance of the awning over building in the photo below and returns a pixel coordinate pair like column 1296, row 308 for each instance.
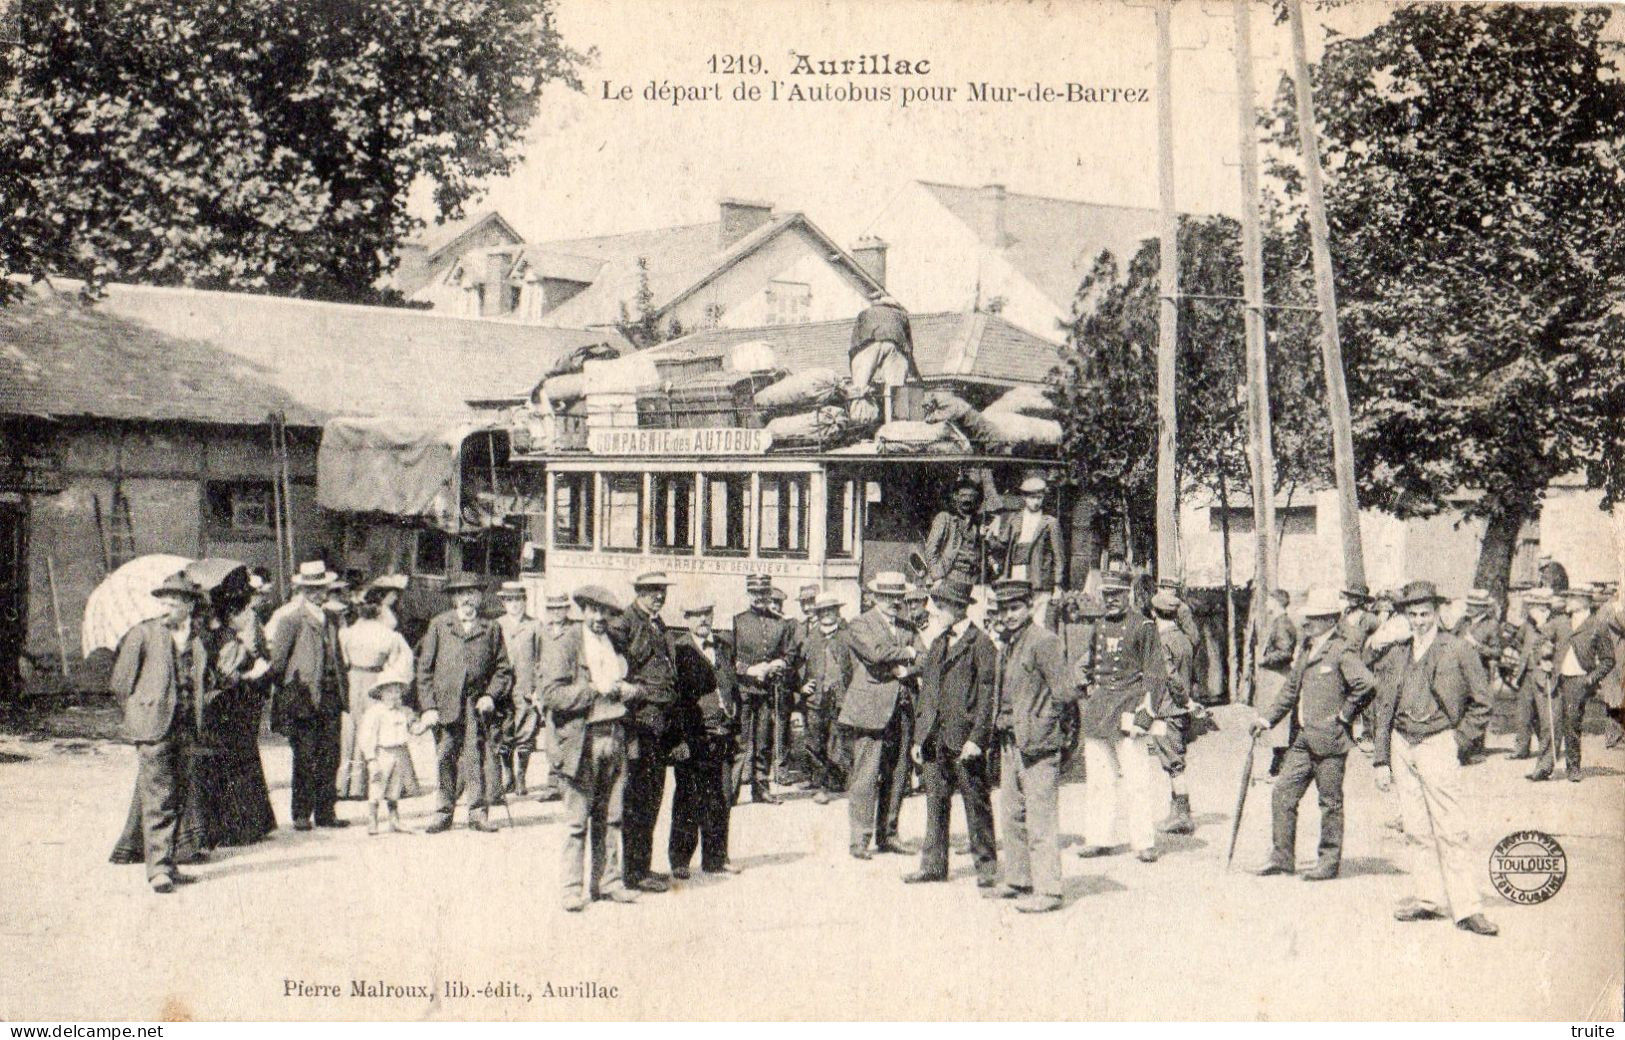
column 402, row 467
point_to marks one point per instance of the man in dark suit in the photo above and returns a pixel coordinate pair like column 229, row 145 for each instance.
column 764, row 650
column 1030, row 547
column 556, row 624
column 1437, row 683
column 464, row 676
column 956, row 544
column 307, row 706
column 160, row 675
column 641, row 636
column 884, row 655
column 1531, row 674
column 706, row 713
column 954, row 735
column 827, row 670
column 1324, row 694
column 1581, row 663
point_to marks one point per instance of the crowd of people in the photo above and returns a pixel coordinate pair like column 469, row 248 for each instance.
column 956, row 677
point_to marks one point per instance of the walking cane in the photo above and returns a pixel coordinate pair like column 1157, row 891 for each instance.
column 1241, row 800
column 482, row 730
column 1551, row 721
column 776, row 770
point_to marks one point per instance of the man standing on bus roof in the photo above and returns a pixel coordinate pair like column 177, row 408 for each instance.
column 763, row 648
column 883, row 347
column 642, row 639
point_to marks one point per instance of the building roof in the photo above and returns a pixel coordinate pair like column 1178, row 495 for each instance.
column 437, row 238
column 146, row 353
column 970, row 346
column 1051, row 242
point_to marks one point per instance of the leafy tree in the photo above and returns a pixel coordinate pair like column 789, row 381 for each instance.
column 258, row 145
column 1474, row 193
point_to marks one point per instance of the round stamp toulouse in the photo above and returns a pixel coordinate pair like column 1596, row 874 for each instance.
column 1528, row 867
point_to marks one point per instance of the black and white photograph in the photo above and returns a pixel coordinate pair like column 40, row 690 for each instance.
column 812, row 510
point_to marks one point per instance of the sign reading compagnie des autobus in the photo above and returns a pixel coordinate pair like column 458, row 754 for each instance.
column 720, row 440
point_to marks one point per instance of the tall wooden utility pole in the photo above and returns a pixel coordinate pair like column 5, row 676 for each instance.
column 1168, row 312
column 1331, row 347
column 1260, row 450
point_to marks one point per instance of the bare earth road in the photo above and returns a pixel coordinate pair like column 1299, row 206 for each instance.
column 806, row 931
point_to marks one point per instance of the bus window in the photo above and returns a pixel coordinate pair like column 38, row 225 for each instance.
column 623, row 511
column 727, row 504
column 842, row 509
column 672, row 511
column 572, row 511
column 784, row 515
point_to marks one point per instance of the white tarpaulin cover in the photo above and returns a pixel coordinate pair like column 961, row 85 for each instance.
column 402, row 467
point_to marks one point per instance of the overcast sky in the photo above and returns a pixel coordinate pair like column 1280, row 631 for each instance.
column 596, row 166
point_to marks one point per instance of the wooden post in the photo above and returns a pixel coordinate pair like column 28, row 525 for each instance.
column 1260, row 451
column 1331, row 347
column 1168, row 311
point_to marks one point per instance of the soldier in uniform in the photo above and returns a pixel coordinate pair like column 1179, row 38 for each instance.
column 1169, row 744
column 884, row 651
column 764, row 649
column 1033, row 685
column 827, row 671
column 641, row 637
column 521, row 636
column 1325, row 692
column 1128, row 694
column 707, row 712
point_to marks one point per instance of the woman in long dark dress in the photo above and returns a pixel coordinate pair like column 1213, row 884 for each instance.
column 225, row 799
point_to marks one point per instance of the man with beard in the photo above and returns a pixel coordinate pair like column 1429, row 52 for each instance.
column 466, row 682
column 707, row 711
column 1127, row 696
column 958, row 687
column 884, row 654
column 308, row 703
column 642, row 639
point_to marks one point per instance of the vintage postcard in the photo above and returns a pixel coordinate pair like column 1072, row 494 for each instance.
column 585, row 510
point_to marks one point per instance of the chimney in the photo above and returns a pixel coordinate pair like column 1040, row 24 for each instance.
column 995, row 197
column 740, row 217
column 870, row 253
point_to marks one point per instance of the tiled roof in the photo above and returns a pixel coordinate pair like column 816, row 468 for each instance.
column 161, row 353
column 957, row 345
column 1052, row 242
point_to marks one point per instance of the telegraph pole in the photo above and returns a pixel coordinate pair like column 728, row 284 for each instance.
column 1260, row 450
column 1331, row 347
column 1168, row 311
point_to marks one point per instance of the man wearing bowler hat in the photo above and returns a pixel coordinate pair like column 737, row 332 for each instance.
column 584, row 688
column 706, row 714
column 884, row 653
column 160, row 675
column 1033, row 685
column 1030, row 545
column 1435, row 685
column 466, row 682
column 641, row 636
column 1324, row 693
column 310, row 692
column 954, row 735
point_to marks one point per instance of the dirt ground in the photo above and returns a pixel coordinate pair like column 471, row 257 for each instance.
column 805, row 931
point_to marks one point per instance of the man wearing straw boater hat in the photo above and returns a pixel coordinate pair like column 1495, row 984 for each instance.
column 584, row 687
column 1324, row 693
column 884, row 652
column 308, row 703
column 1437, row 683
column 521, row 637
column 160, row 676
column 954, row 735
column 1033, row 685
column 643, row 640
column 466, row 682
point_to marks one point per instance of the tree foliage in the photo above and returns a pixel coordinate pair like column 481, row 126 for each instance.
column 1475, row 193
column 259, row 145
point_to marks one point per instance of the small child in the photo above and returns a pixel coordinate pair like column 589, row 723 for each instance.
column 385, row 731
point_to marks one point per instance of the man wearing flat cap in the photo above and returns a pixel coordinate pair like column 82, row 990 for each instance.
column 1029, row 547
column 1324, row 693
column 1033, row 687
column 641, row 636
column 161, row 677
column 827, row 670
column 466, row 682
column 521, row 637
column 307, row 704
column 556, row 624
column 1437, row 683
column 764, row 650
column 584, row 686
column 954, row 735
column 884, row 655
column 706, row 714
